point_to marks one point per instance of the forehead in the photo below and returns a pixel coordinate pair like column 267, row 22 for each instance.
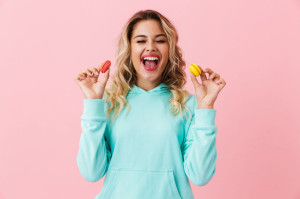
column 147, row 27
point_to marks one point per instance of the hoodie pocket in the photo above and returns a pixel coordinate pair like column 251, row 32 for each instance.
column 138, row 183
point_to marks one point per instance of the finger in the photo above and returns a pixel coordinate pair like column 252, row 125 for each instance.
column 194, row 80
column 78, row 78
column 107, row 71
column 221, row 81
column 209, row 71
column 89, row 72
column 213, row 75
column 95, row 71
column 82, row 76
column 202, row 75
column 83, row 73
column 216, row 79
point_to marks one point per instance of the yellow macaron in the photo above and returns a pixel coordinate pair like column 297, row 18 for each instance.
column 195, row 69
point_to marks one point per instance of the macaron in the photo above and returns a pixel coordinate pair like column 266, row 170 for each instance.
column 105, row 66
column 195, row 69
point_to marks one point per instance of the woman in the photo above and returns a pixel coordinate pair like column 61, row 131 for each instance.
column 150, row 147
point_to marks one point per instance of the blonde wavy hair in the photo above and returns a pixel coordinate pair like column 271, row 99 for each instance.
column 125, row 77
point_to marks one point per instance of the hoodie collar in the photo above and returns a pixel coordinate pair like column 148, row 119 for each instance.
column 159, row 89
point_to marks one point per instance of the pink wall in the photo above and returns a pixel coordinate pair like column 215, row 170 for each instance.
column 254, row 45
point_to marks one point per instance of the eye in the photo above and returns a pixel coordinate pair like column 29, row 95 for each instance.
column 142, row 41
column 161, row 41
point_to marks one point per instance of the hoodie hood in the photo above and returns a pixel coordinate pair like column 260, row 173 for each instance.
column 162, row 88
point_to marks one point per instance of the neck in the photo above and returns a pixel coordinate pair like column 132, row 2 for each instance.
column 146, row 85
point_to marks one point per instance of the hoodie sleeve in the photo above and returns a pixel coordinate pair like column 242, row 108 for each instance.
column 199, row 147
column 94, row 152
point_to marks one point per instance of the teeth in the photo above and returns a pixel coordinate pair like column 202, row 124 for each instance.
column 150, row 58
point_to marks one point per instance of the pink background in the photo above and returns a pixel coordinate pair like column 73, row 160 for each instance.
column 253, row 44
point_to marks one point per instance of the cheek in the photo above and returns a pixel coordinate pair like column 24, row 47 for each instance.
column 136, row 53
column 165, row 51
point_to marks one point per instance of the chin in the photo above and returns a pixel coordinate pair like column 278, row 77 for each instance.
column 150, row 78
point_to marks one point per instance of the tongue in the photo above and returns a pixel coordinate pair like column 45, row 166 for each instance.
column 150, row 63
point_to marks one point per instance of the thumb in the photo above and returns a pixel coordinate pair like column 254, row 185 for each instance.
column 99, row 67
column 195, row 81
column 105, row 76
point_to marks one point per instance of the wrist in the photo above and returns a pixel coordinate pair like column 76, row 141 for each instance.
column 205, row 106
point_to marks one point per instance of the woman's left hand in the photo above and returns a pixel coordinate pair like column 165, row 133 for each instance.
column 207, row 92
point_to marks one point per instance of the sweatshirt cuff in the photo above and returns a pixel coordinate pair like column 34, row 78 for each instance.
column 93, row 108
column 205, row 117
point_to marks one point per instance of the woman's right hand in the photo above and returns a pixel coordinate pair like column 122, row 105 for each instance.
column 88, row 82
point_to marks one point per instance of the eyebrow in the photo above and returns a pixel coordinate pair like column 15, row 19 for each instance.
column 146, row 36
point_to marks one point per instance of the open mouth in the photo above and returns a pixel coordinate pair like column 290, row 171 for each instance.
column 150, row 63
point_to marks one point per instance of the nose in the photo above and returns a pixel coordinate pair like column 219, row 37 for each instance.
column 151, row 47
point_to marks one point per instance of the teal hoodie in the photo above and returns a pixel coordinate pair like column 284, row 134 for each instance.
column 147, row 153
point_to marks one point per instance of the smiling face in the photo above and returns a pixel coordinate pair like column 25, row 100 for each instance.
column 149, row 39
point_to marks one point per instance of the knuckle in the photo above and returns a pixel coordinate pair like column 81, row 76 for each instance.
column 95, row 70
